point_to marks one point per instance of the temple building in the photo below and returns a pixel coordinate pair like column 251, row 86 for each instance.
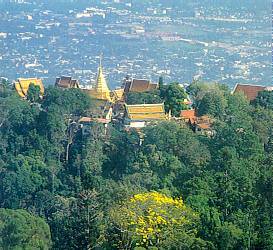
column 100, row 90
column 102, row 105
column 22, row 86
column 138, row 85
column 66, row 82
column 250, row 91
column 141, row 115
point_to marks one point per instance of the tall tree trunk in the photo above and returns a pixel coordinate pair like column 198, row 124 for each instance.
column 67, row 151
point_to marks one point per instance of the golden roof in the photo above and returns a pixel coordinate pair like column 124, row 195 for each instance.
column 118, row 94
column 104, row 96
column 22, row 85
column 146, row 112
column 147, row 116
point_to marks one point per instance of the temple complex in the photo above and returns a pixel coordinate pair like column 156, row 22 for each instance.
column 111, row 107
column 22, row 85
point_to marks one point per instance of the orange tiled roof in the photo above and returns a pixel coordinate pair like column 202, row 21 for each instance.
column 250, row 91
column 153, row 86
column 189, row 115
column 204, row 122
column 204, row 125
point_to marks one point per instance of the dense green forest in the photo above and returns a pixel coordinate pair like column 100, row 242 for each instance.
column 177, row 190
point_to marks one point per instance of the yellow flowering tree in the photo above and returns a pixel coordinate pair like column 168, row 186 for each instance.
column 152, row 219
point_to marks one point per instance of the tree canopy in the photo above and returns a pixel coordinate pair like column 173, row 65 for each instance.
column 155, row 220
column 174, row 96
column 149, row 97
column 21, row 230
column 62, row 189
column 264, row 99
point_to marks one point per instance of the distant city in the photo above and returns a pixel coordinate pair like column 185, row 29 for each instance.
column 227, row 41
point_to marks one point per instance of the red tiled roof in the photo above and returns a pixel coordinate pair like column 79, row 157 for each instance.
column 188, row 115
column 139, row 85
column 153, row 86
column 250, row 91
column 203, row 122
column 204, row 125
column 66, row 82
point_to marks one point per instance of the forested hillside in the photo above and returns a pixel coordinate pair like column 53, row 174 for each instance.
column 61, row 189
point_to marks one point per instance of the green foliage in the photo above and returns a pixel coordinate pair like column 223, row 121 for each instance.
column 161, row 83
column 33, row 93
column 78, row 224
column 21, row 230
column 209, row 98
column 144, row 97
column 93, row 158
column 177, row 141
column 264, row 99
column 198, row 89
column 22, row 178
column 212, row 103
column 121, row 150
column 66, row 101
column 5, row 88
column 262, row 124
column 75, row 181
column 174, row 96
column 155, row 220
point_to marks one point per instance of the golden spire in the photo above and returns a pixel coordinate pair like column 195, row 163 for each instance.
column 101, row 87
column 100, row 65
